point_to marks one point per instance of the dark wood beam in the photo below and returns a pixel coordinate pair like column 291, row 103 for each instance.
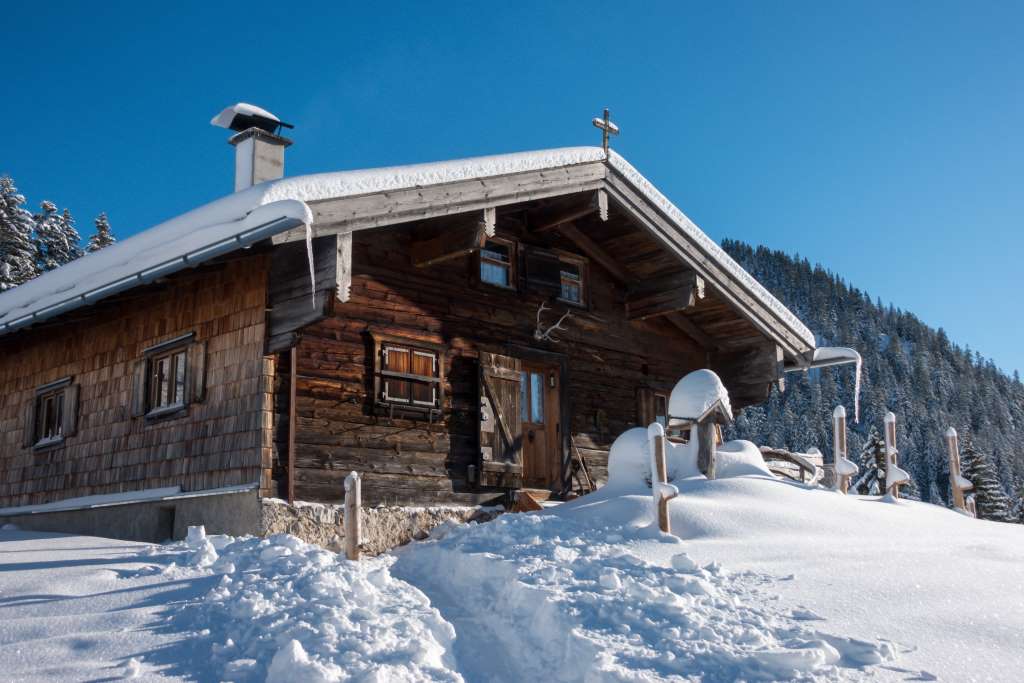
column 693, row 331
column 596, row 253
column 598, row 204
column 454, row 242
column 663, row 295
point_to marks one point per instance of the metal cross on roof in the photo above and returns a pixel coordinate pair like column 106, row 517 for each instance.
column 607, row 128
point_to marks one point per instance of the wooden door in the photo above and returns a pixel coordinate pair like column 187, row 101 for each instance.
column 539, row 406
column 501, row 437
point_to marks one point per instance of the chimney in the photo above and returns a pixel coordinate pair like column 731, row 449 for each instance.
column 259, row 147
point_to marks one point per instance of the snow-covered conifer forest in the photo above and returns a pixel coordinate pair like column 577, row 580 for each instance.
column 32, row 243
column 910, row 368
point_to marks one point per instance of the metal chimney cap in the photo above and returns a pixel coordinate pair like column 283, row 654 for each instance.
column 243, row 116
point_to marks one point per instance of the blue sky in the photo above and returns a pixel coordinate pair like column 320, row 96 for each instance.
column 884, row 140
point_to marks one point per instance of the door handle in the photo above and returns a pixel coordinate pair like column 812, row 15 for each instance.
column 529, row 435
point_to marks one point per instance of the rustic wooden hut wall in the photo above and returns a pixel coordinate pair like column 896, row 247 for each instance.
column 422, row 459
column 218, row 441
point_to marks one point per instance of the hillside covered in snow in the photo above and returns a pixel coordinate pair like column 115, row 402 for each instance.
column 909, row 368
column 766, row 579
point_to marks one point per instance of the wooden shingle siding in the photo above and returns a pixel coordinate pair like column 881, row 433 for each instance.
column 221, row 440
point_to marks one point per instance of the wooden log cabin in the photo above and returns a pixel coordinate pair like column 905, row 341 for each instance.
column 452, row 331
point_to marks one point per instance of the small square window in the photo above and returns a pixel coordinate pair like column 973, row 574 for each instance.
column 51, row 415
column 497, row 259
column 573, row 277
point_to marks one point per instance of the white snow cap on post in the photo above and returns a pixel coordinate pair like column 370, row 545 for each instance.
column 227, row 115
column 696, row 395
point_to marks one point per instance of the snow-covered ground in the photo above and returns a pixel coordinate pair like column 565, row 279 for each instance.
column 768, row 580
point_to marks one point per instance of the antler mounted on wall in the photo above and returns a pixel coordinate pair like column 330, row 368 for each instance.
column 542, row 334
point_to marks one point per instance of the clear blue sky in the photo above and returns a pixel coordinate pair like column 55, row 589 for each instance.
column 884, row 140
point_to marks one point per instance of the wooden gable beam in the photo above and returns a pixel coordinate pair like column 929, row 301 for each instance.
column 663, row 295
column 690, row 328
column 596, row 253
column 455, row 242
column 598, row 204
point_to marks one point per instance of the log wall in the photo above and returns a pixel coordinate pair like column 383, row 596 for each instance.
column 414, row 460
column 223, row 440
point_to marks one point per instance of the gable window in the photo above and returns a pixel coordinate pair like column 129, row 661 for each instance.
column 169, row 377
column 573, row 281
column 51, row 416
column 497, row 263
column 408, row 374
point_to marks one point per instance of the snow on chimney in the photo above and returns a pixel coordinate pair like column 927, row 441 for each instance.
column 259, row 147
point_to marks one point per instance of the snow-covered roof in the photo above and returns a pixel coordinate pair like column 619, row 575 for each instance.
column 230, row 223
column 102, row 273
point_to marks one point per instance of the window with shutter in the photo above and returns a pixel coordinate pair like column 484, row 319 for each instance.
column 52, row 415
column 170, row 376
column 408, row 375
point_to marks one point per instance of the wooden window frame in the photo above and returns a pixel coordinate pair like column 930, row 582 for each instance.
column 61, row 390
column 513, row 264
column 583, row 263
column 385, row 406
column 172, row 349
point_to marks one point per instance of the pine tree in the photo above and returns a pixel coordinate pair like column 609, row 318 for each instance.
column 991, row 500
column 103, row 237
column 17, row 253
column 55, row 237
column 872, row 466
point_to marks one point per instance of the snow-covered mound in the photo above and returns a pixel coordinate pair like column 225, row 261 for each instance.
column 77, row 608
column 629, row 461
column 286, row 611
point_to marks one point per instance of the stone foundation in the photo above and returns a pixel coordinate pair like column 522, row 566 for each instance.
column 382, row 528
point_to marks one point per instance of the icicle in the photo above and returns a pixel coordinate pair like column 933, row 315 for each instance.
column 312, row 269
column 856, row 392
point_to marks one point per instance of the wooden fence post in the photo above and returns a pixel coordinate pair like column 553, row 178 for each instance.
column 956, row 480
column 353, row 506
column 894, row 476
column 661, row 490
column 842, row 481
column 706, row 447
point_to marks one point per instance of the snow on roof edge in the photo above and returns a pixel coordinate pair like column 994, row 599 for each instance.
column 314, row 187
column 648, row 189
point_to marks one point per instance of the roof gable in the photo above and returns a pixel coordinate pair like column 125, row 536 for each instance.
column 273, row 208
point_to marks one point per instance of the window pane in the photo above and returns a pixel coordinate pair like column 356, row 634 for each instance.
column 179, row 377
column 537, row 397
column 423, row 364
column 58, row 415
column 396, row 390
column 396, row 359
column 495, row 251
column 493, row 273
column 423, row 393
column 572, row 283
column 164, row 370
